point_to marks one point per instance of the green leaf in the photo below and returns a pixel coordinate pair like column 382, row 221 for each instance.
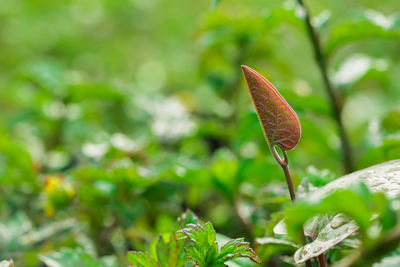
column 225, row 170
column 170, row 253
column 204, row 251
column 168, row 250
column 369, row 24
column 186, row 218
column 267, row 247
column 47, row 231
column 203, row 236
column 334, row 232
column 361, row 210
column 384, row 177
column 328, row 231
column 214, row 4
column 237, row 248
column 141, row 259
column 69, row 258
column 318, row 178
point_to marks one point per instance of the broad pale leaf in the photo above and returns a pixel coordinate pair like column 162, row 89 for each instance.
column 338, row 229
column 384, row 177
column 279, row 122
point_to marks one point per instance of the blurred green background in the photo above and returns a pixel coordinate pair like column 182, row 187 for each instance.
column 118, row 115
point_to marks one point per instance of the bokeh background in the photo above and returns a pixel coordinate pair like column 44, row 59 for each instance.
column 118, row 115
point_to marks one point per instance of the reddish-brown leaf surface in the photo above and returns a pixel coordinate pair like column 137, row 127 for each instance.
column 279, row 122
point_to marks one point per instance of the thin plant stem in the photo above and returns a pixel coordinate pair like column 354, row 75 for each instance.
column 321, row 260
column 284, row 163
column 333, row 99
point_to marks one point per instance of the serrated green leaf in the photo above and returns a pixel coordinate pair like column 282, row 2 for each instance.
column 205, row 252
column 196, row 255
column 186, row 218
column 141, row 259
column 204, row 249
column 171, row 253
column 237, row 248
column 201, row 235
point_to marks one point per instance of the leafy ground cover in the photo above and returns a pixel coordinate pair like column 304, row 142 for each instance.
column 127, row 134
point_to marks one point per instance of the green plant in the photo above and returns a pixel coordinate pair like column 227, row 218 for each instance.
column 280, row 124
column 195, row 244
column 117, row 116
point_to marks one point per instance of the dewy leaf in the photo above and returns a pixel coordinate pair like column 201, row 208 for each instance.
column 338, row 229
column 279, row 122
column 384, row 177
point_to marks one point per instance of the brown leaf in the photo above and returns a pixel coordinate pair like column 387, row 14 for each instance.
column 279, row 122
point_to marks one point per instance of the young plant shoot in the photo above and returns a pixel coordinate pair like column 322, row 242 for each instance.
column 279, row 122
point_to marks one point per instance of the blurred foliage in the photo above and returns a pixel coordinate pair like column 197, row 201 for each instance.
column 117, row 116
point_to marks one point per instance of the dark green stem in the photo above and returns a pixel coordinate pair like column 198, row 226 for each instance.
column 333, row 99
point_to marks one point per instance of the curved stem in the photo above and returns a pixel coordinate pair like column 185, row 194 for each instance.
column 336, row 109
column 284, row 165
